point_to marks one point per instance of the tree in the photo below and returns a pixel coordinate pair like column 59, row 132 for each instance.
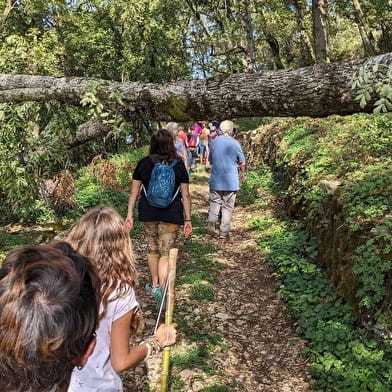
column 320, row 30
column 315, row 91
column 365, row 31
column 111, row 67
column 300, row 9
column 248, row 27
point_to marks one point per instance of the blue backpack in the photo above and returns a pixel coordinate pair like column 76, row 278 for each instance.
column 161, row 186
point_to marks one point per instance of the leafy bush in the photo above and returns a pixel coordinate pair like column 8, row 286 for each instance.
column 10, row 240
column 251, row 187
column 93, row 181
column 337, row 174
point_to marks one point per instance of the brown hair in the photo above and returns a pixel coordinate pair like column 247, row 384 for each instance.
column 100, row 235
column 49, row 306
column 162, row 146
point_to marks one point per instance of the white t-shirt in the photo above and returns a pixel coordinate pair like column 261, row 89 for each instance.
column 98, row 375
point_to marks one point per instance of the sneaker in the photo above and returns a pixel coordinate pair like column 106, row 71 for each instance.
column 224, row 236
column 211, row 230
column 157, row 293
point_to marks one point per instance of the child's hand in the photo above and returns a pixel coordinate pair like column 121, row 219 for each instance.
column 167, row 334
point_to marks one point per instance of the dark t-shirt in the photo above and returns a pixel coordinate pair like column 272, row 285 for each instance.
column 147, row 213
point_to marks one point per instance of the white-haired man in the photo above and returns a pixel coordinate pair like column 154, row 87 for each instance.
column 228, row 169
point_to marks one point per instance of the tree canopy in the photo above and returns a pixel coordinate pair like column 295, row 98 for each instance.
column 74, row 69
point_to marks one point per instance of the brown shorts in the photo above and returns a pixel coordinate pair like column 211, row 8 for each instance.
column 160, row 236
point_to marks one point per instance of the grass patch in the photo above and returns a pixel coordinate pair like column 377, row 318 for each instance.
column 249, row 192
column 199, row 267
column 197, row 329
column 215, row 388
column 195, row 357
column 202, row 292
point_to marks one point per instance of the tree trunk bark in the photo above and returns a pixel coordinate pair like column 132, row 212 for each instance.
column 315, row 91
column 368, row 41
column 306, row 44
column 320, row 30
column 386, row 36
column 7, row 9
column 250, row 43
column 275, row 49
column 271, row 41
column 87, row 131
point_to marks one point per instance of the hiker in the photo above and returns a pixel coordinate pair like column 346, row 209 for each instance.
column 181, row 133
column 226, row 158
column 192, row 142
column 161, row 225
column 101, row 236
column 49, row 304
column 197, row 128
column 203, row 143
column 214, row 128
column 179, row 143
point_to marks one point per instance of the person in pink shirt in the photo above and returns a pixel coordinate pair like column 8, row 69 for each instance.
column 197, row 128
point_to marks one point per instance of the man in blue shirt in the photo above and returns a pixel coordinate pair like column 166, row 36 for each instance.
column 227, row 158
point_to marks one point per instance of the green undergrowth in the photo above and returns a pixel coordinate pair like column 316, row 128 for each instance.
column 343, row 358
column 9, row 241
column 106, row 183
column 337, row 174
column 250, row 189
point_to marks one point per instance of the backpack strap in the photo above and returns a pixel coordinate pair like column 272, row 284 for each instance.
column 175, row 194
column 172, row 164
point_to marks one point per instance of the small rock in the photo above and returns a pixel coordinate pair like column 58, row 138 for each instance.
column 187, row 374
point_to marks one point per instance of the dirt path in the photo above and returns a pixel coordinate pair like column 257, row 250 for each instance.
column 263, row 351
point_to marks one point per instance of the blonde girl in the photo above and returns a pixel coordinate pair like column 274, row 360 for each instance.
column 101, row 236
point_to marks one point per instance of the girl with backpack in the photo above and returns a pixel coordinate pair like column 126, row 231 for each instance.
column 161, row 225
column 101, row 236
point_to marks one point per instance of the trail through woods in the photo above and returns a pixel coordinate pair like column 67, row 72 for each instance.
column 263, row 350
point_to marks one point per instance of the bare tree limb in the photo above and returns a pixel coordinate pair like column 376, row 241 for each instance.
column 89, row 130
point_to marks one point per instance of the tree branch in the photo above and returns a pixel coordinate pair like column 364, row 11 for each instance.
column 87, row 131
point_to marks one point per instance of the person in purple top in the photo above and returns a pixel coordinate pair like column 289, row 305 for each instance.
column 228, row 170
column 197, row 128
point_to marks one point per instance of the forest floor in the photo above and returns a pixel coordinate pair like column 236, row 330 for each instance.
column 262, row 350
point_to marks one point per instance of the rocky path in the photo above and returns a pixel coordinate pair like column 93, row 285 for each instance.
column 263, row 351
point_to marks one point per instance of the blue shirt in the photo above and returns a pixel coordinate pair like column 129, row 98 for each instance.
column 225, row 155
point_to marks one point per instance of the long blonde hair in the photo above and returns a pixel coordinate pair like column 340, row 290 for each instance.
column 101, row 236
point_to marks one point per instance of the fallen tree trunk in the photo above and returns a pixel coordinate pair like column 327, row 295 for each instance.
column 315, row 91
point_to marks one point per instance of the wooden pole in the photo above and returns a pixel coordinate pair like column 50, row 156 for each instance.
column 169, row 315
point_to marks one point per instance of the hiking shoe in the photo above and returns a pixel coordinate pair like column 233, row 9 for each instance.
column 157, row 294
column 224, row 236
column 211, row 230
